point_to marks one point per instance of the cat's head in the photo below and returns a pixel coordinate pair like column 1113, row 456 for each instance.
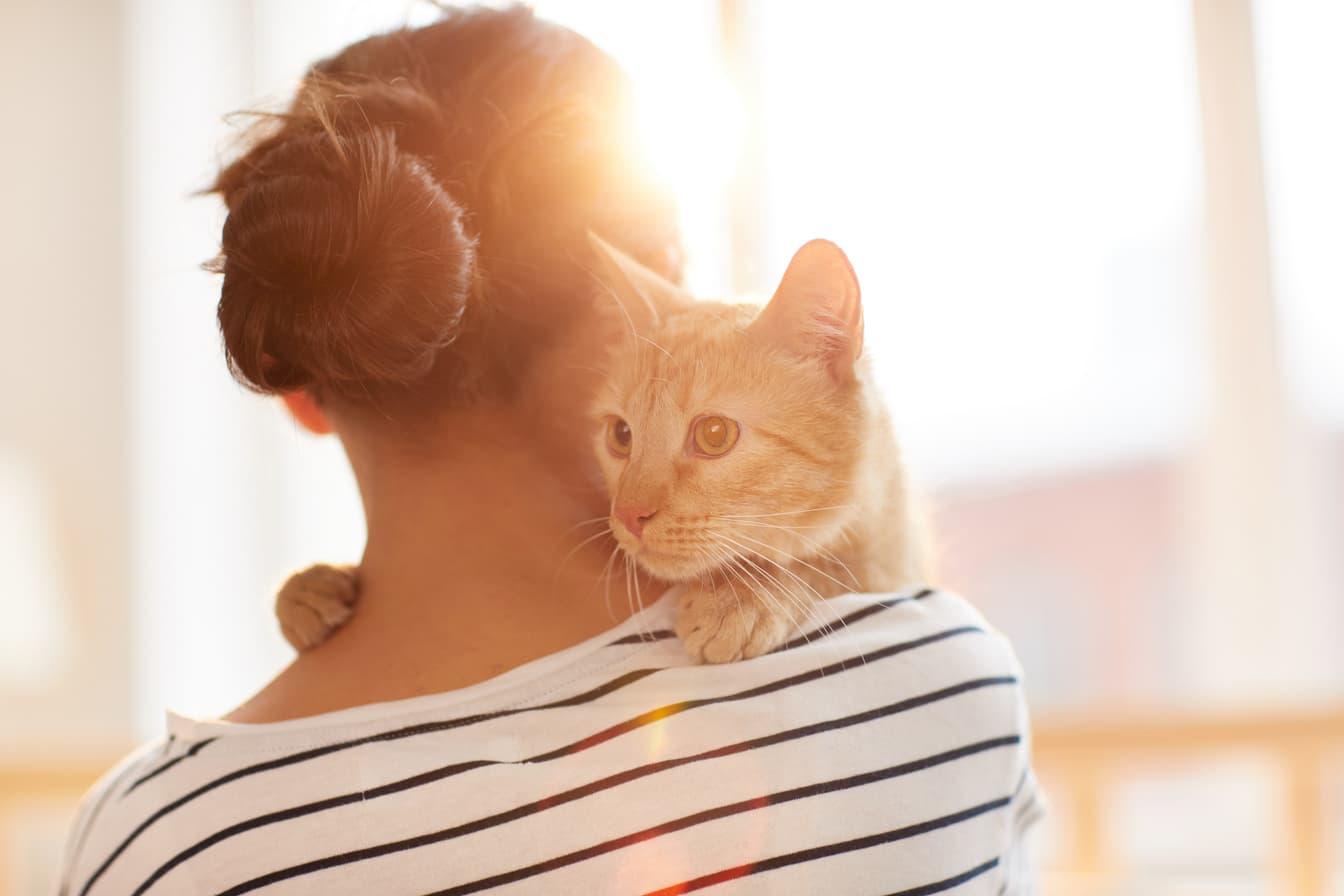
column 727, row 430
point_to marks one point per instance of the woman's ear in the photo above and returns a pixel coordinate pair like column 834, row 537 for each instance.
column 304, row 408
column 816, row 311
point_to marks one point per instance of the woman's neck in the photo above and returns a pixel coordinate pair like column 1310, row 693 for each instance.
column 478, row 560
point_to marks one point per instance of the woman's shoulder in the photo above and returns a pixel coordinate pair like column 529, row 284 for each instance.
column 136, row 768
column 922, row 626
column 917, row 652
column 899, row 652
column 875, row 641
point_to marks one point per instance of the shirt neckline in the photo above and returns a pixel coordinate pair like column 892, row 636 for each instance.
column 657, row 615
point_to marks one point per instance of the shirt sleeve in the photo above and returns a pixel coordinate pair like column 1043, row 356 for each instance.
column 85, row 821
column 1026, row 809
column 1019, row 860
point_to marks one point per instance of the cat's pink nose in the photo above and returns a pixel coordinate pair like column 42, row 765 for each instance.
column 633, row 517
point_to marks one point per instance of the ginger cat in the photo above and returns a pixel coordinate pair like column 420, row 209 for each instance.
column 748, row 457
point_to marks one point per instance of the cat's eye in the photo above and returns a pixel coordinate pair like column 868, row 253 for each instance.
column 714, row 436
column 619, row 437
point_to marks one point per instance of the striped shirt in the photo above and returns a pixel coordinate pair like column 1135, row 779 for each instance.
column 885, row 752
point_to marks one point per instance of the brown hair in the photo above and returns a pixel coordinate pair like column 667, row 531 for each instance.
column 422, row 208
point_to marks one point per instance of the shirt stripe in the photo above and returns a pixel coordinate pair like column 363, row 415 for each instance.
column 831, row 849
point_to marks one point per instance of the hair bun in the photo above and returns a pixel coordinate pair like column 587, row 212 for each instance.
column 345, row 264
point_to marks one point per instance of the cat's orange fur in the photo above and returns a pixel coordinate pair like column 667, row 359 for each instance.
column 810, row 502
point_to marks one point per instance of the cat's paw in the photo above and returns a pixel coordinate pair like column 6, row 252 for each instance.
column 723, row 627
column 315, row 602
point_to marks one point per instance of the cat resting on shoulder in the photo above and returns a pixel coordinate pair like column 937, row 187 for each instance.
column 748, row 457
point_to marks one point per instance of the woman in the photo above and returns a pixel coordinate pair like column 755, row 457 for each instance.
column 405, row 262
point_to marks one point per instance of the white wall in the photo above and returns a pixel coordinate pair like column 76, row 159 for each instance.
column 63, row 392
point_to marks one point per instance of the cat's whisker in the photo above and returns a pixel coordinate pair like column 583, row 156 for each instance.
column 750, row 586
column 793, row 559
column 724, row 565
column 745, row 563
column 819, row 548
column 799, row 579
column 729, row 569
column 610, row 293
column 588, row 522
column 588, row 368
column 746, row 550
column 701, row 576
column 708, row 575
column 808, row 601
column 807, row 607
column 808, row 615
column 765, row 592
column 742, row 521
column 822, row 623
column 639, row 599
column 574, row 550
column 629, row 568
column 742, row 567
column 732, row 588
column 644, row 338
column 757, row 516
column 606, row 578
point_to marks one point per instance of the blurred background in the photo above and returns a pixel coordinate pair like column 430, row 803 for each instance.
column 1100, row 244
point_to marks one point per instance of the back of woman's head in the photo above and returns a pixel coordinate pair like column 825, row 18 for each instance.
column 417, row 220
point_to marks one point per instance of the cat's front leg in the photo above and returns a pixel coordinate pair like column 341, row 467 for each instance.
column 315, row 602
column 727, row 621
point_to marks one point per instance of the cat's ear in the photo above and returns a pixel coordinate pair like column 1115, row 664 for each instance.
column 816, row 311
column 643, row 295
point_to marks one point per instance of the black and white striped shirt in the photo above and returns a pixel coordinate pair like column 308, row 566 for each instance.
column 885, row 753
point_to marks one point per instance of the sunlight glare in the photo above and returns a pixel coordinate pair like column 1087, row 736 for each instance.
column 690, row 129
column 687, row 124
